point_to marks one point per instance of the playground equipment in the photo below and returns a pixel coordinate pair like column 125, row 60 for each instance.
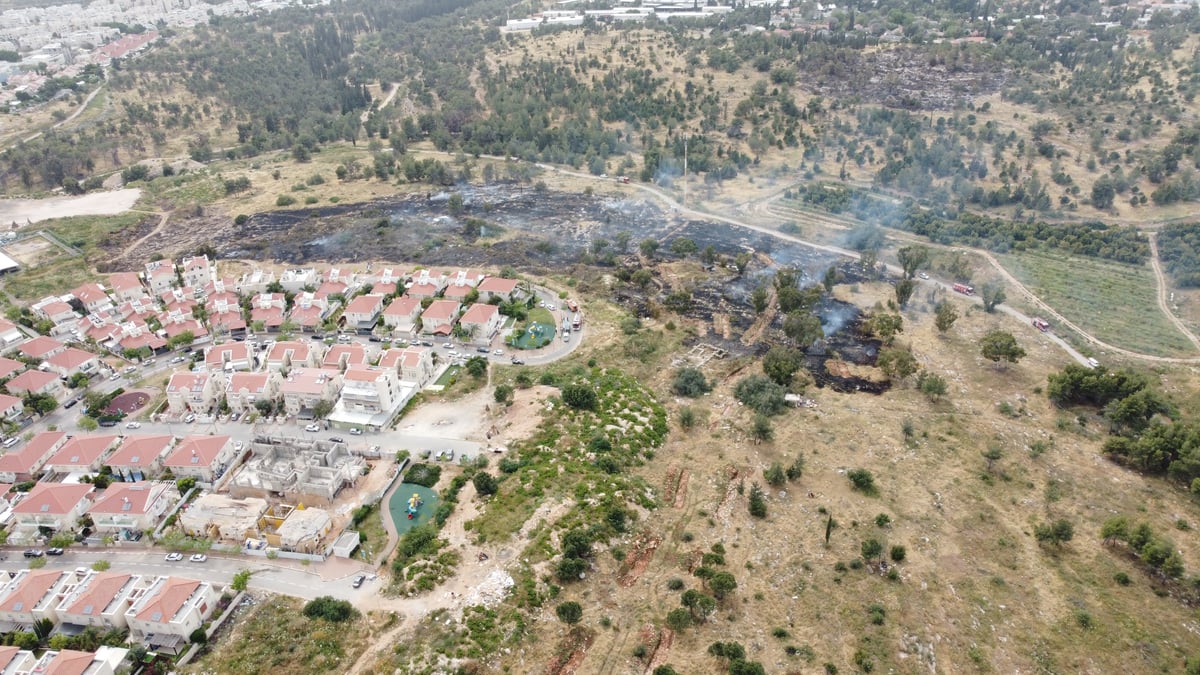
column 414, row 503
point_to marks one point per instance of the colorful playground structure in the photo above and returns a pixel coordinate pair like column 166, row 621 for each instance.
column 414, row 504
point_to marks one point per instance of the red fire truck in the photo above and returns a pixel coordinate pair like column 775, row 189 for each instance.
column 964, row 289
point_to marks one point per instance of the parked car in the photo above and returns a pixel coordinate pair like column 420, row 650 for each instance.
column 191, row 417
column 82, row 571
column 358, row 580
column 108, row 423
column 374, row 338
column 426, row 453
column 54, row 551
column 71, row 403
column 336, row 439
column 11, row 441
column 133, row 425
column 33, row 553
column 499, row 352
column 174, row 557
column 517, row 362
column 355, row 431
column 312, row 428
column 235, row 417
column 198, row 557
column 114, row 377
column 178, row 359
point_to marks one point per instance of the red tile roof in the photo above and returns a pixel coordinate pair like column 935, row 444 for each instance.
column 82, row 450
column 197, row 451
column 31, row 380
column 57, row 499
column 140, row 451
column 131, row 498
column 171, row 597
column 479, row 313
column 70, row 358
column 31, row 589
column 39, row 346
column 101, row 590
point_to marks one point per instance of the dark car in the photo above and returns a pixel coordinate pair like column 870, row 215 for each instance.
column 375, row 338
column 358, row 580
column 54, row 551
column 336, row 439
column 108, row 423
column 482, row 350
column 71, row 403
column 318, row 336
column 33, row 553
column 518, row 362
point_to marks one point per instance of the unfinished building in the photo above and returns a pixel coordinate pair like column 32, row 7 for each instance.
column 297, row 470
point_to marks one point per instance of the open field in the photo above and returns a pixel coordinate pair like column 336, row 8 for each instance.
column 275, row 637
column 1116, row 303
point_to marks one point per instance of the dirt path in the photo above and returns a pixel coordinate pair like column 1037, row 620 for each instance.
column 163, row 217
column 387, row 100
column 78, row 111
column 1162, row 291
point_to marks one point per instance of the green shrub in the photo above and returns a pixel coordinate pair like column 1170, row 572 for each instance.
column 285, row 200
column 423, row 474
column 330, row 609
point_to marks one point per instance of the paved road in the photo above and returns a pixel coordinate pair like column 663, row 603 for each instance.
column 287, row 577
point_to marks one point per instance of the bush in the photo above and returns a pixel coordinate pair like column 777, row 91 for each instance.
column 569, row 612
column 690, row 382
column 285, row 200
column 761, row 395
column 485, row 483
column 675, row 584
column 679, row 618
column 775, row 475
column 198, row 636
column 898, row 553
column 758, row 502
column 863, row 481
column 330, row 609
column 579, row 396
column 426, row 475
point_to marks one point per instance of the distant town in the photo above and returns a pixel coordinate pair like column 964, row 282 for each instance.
column 60, row 41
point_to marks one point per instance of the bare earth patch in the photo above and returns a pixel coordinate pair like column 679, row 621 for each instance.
column 26, row 211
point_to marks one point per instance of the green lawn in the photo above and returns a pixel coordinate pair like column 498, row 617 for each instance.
column 540, row 315
column 1116, row 303
column 448, row 376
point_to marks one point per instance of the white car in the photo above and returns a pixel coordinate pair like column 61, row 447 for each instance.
column 356, row 431
column 133, row 425
column 178, row 359
column 499, row 352
column 312, row 428
column 923, row 275
column 198, row 557
column 189, row 419
column 174, row 557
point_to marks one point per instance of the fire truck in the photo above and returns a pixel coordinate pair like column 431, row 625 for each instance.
column 1041, row 324
column 964, row 289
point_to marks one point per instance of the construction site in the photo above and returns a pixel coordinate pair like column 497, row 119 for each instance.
column 297, row 470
